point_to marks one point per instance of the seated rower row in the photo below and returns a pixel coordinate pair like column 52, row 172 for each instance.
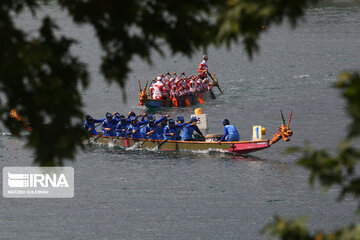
column 162, row 129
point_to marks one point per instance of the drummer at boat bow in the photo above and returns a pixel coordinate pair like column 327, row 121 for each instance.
column 230, row 132
column 189, row 129
column 108, row 125
column 89, row 124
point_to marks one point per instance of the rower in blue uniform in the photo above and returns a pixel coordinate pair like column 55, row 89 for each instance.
column 122, row 126
column 160, row 130
column 172, row 130
column 89, row 124
column 142, row 130
column 153, row 127
column 189, row 129
column 180, row 120
column 134, row 128
column 116, row 117
column 230, row 132
column 108, row 125
column 131, row 114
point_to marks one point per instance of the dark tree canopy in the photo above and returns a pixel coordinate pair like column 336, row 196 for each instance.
column 40, row 78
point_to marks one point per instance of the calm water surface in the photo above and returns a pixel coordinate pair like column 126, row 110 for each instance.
column 204, row 195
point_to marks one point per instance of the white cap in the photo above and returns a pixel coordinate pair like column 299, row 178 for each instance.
column 158, row 78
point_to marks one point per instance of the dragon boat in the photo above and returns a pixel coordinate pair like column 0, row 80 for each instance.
column 185, row 101
column 209, row 143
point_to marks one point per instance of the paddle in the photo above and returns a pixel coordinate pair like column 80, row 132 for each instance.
column 216, row 83
column 127, row 137
column 201, row 99
column 187, row 102
column 212, row 94
column 103, row 132
column 95, row 126
column 165, row 141
column 174, row 101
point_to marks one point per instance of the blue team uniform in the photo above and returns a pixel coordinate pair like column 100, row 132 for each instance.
column 175, row 129
column 230, row 134
column 91, row 126
column 155, row 127
column 109, row 124
column 121, row 128
column 188, row 131
column 136, row 127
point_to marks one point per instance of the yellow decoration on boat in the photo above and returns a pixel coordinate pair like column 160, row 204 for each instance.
column 198, row 111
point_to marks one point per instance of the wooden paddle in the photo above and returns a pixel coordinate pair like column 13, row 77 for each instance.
column 187, row 102
column 201, row 98
column 103, row 132
column 216, row 83
column 95, row 126
column 174, row 101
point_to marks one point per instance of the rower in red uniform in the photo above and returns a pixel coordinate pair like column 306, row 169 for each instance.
column 203, row 66
column 157, row 89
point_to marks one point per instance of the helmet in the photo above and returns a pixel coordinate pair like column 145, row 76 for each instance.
column 205, row 57
column 171, row 121
column 158, row 78
column 180, row 119
column 87, row 117
column 226, row 122
column 117, row 115
column 133, row 118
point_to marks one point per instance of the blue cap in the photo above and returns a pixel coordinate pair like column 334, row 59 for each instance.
column 133, row 118
column 226, row 122
column 108, row 115
column 193, row 119
column 171, row 121
column 180, row 119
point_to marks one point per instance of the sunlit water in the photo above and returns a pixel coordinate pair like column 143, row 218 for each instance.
column 132, row 194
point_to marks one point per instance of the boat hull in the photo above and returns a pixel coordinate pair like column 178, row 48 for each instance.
column 152, row 103
column 241, row 147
